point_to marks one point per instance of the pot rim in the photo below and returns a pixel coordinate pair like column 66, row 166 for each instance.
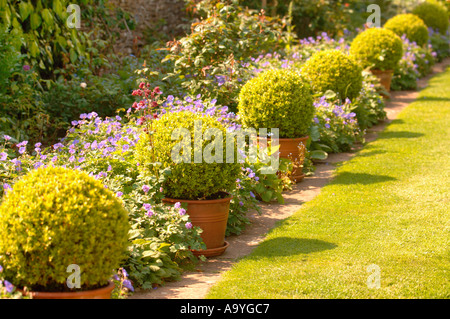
column 62, row 294
column 287, row 138
column 198, row 201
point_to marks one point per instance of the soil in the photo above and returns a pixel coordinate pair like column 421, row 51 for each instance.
column 195, row 284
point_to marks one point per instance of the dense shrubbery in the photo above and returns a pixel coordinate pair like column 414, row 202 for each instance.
column 277, row 99
column 335, row 71
column 411, row 25
column 377, row 49
column 55, row 217
column 192, row 176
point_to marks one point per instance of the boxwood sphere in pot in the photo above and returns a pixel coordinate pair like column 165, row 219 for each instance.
column 189, row 179
column 434, row 15
column 333, row 70
column 411, row 25
column 277, row 99
column 55, row 217
column 377, row 49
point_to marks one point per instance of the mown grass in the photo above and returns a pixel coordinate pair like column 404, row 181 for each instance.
column 388, row 206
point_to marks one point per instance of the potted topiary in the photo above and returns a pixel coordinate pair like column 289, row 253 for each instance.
column 200, row 175
column 57, row 223
column 380, row 50
column 434, row 15
column 333, row 70
column 280, row 99
column 410, row 25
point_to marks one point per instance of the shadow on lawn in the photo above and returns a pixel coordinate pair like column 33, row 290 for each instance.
column 400, row 134
column 347, row 178
column 287, row 246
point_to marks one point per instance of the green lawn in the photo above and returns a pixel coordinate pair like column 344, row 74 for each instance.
column 388, row 206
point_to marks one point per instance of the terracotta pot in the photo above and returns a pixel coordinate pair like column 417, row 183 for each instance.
column 100, row 293
column 385, row 78
column 289, row 148
column 212, row 217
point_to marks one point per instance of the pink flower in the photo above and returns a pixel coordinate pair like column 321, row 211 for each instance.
column 188, row 225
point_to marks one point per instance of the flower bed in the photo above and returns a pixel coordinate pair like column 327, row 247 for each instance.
column 117, row 150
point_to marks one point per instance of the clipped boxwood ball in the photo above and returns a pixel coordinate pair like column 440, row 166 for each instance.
column 277, row 99
column 377, row 49
column 333, row 70
column 55, row 217
column 191, row 177
column 434, row 15
column 411, row 25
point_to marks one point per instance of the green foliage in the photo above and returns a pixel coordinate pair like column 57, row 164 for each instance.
column 440, row 44
column 277, row 99
column 411, row 25
column 47, row 39
column 335, row 71
column 377, row 49
column 434, row 15
column 369, row 106
column 310, row 17
column 55, row 217
column 334, row 128
column 209, row 60
column 191, row 177
column 49, row 43
column 416, row 63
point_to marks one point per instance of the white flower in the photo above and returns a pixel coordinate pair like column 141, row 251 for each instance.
column 83, row 85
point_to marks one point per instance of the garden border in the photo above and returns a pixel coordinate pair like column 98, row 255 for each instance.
column 195, row 284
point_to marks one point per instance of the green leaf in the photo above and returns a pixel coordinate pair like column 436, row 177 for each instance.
column 73, row 55
column 318, row 155
column 25, row 10
column 48, row 17
column 35, row 21
column 267, row 196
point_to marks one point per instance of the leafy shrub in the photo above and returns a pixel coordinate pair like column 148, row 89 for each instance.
column 434, row 15
column 49, row 43
column 55, row 217
column 310, row 17
column 335, row 71
column 277, row 99
column 411, row 25
column 190, row 178
column 209, row 60
column 377, row 48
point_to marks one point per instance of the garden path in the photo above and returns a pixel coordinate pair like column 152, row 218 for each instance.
column 195, row 284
